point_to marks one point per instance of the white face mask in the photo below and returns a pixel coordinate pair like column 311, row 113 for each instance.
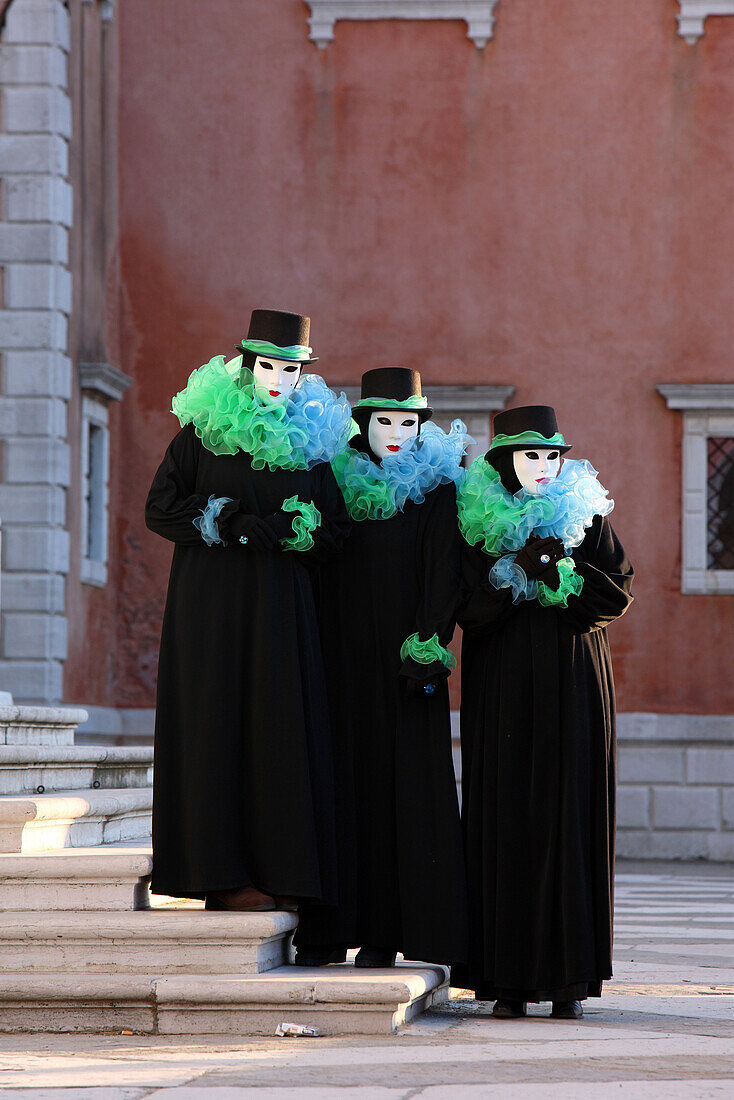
column 275, row 379
column 536, row 466
column 390, row 429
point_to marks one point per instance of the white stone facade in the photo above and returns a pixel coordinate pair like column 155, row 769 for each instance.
column 35, row 217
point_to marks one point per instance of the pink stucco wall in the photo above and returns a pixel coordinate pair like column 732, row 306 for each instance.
column 552, row 212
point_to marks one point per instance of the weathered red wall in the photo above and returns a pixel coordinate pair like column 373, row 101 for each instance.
column 552, row 212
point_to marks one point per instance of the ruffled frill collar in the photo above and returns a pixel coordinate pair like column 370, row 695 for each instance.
column 227, row 416
column 374, row 490
column 502, row 522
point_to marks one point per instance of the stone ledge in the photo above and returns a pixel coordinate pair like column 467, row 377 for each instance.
column 342, row 1002
column 151, row 942
column 477, row 14
column 62, row 716
column 39, row 726
column 76, row 879
column 104, row 380
column 677, row 844
column 23, row 769
column 68, row 819
column 337, row 1000
column 683, row 728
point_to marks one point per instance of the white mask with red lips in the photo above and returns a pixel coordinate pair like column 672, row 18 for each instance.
column 536, row 466
column 391, row 429
column 275, row 379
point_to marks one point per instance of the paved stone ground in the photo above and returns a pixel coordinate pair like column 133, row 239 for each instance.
column 664, row 1029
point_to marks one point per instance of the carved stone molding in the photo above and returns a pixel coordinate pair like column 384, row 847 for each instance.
column 477, row 14
column 104, row 380
column 693, row 14
column 699, row 396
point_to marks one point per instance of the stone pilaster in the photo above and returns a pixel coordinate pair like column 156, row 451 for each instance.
column 35, row 383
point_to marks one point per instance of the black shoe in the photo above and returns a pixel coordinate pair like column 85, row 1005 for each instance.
column 509, row 1010
column 567, row 1010
column 319, row 956
column 375, row 957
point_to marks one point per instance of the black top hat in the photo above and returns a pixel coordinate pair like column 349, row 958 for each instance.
column 279, row 334
column 527, row 426
column 393, row 388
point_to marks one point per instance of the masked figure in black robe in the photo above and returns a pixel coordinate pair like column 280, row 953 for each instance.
column 387, row 615
column 543, row 576
column 243, row 792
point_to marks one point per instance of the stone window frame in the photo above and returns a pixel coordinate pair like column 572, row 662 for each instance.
column 100, row 383
column 708, row 410
column 693, row 15
column 95, row 415
column 477, row 14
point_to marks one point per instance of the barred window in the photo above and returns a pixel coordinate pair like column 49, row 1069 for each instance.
column 720, row 510
column 707, row 513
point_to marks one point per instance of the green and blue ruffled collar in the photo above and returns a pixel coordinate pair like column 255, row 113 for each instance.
column 379, row 491
column 220, row 402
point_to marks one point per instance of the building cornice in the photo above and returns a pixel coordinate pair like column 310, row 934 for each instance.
column 693, row 14
column 104, row 380
column 477, row 14
column 699, row 396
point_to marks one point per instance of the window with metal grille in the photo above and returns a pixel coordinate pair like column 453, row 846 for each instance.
column 720, row 502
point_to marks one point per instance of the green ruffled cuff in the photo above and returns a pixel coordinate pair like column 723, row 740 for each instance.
column 426, row 653
column 306, row 521
column 570, row 585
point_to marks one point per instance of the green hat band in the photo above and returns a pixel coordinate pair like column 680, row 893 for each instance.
column 391, row 403
column 524, row 438
column 297, row 352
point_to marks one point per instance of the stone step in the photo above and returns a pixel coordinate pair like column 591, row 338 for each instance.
column 338, row 1000
column 74, row 819
column 39, row 725
column 78, row 879
column 23, row 769
column 152, row 942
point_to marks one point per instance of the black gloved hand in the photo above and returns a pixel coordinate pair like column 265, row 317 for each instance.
column 258, row 532
column 281, row 524
column 538, row 559
column 420, row 689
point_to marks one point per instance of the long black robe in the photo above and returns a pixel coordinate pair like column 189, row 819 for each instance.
column 243, row 790
column 538, row 780
column 401, row 872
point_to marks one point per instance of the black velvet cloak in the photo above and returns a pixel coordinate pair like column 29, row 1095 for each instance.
column 243, row 791
column 538, row 782
column 401, row 871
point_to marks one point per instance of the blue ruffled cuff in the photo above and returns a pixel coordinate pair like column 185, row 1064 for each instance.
column 505, row 574
column 206, row 523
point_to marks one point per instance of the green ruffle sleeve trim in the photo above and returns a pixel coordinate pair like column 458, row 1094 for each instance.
column 305, row 522
column 227, row 417
column 425, row 653
column 570, row 585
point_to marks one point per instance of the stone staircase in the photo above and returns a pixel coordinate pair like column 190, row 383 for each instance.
column 83, row 945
